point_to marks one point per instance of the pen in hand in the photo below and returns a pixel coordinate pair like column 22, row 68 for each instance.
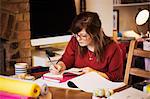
column 48, row 55
column 52, row 66
column 56, row 70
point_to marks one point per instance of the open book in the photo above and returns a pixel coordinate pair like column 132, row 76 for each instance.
column 87, row 82
column 65, row 75
column 91, row 81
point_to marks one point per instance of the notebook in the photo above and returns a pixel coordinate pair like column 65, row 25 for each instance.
column 64, row 76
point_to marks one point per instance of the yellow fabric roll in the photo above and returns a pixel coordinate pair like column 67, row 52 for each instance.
column 19, row 87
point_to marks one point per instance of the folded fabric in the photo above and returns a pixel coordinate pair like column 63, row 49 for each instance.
column 6, row 95
column 38, row 74
column 67, row 77
column 38, row 69
column 58, row 78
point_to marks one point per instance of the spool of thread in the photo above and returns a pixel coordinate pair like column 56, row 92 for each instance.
column 102, row 93
column 20, row 68
column 146, row 88
column 43, row 87
column 99, row 92
column 19, row 87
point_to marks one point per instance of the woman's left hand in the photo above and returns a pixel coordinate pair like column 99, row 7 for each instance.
column 87, row 69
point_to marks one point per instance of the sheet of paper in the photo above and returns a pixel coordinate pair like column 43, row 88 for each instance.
column 76, row 71
column 91, row 81
column 55, row 84
column 50, row 75
column 130, row 93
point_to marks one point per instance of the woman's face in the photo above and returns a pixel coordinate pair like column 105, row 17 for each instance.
column 83, row 38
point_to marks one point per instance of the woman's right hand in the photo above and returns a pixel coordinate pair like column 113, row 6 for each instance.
column 58, row 68
column 54, row 69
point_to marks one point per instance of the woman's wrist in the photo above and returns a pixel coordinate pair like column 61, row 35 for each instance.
column 88, row 69
column 61, row 66
column 102, row 74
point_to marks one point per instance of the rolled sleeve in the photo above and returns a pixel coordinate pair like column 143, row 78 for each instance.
column 69, row 55
column 115, row 69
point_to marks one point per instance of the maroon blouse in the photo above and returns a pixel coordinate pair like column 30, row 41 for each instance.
column 112, row 63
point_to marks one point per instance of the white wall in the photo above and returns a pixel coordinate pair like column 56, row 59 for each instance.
column 77, row 4
column 105, row 10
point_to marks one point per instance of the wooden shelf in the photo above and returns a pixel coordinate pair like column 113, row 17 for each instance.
column 140, row 72
column 132, row 4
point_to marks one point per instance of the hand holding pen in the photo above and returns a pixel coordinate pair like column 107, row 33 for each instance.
column 52, row 66
column 55, row 68
column 60, row 66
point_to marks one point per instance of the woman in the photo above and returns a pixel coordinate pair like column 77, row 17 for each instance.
column 91, row 50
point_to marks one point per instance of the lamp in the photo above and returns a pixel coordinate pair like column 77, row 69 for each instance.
column 141, row 18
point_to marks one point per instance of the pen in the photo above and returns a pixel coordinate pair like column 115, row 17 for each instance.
column 48, row 55
column 52, row 67
column 50, row 60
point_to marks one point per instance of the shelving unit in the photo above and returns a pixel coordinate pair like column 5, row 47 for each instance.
column 127, row 13
column 132, row 4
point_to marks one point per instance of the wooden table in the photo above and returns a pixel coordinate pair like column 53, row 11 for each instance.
column 62, row 93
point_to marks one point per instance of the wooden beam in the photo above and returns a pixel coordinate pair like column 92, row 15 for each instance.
column 142, row 53
column 140, row 72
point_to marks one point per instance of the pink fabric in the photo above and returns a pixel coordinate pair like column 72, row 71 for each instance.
column 6, row 95
column 67, row 77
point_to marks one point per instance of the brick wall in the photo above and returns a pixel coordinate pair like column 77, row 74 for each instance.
column 18, row 47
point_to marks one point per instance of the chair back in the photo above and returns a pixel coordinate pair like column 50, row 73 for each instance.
column 133, row 70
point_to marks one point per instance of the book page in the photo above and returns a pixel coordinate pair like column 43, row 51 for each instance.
column 75, row 71
column 50, row 75
column 54, row 84
column 91, row 81
column 130, row 93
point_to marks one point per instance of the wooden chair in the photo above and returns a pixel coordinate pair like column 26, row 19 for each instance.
column 132, row 70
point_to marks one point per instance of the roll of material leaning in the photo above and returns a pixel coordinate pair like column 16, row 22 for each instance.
column 19, row 87
column 43, row 86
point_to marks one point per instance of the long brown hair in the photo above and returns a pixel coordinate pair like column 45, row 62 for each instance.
column 92, row 24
